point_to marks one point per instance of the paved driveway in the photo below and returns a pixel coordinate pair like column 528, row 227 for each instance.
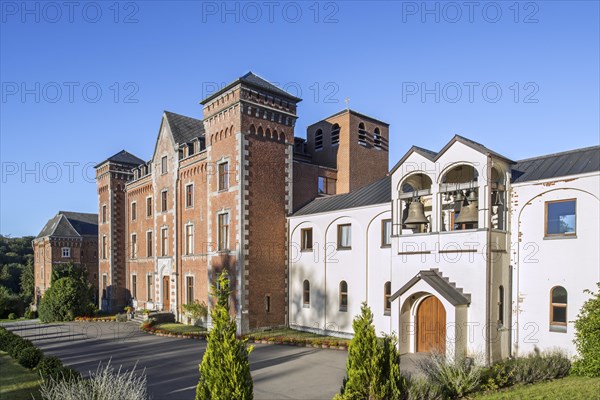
column 171, row 365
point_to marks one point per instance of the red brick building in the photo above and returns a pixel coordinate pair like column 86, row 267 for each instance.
column 68, row 237
column 215, row 196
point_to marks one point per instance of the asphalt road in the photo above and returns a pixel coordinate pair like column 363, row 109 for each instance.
column 171, row 364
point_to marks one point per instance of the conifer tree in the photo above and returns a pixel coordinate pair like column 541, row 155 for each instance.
column 225, row 369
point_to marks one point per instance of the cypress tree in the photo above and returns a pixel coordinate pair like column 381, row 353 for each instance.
column 225, row 369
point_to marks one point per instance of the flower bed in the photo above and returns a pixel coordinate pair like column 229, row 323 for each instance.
column 299, row 342
column 112, row 318
column 150, row 328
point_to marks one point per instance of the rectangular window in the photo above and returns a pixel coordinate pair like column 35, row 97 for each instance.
column 268, row 303
column 223, row 176
column 189, row 286
column 560, row 217
column 149, row 207
column 104, row 214
column 189, row 195
column 66, row 252
column 149, row 244
column 104, row 247
column 223, row 239
column 133, row 245
column 189, row 239
column 163, row 242
column 104, row 285
column 307, row 239
column 501, row 305
column 386, row 233
column 163, row 165
column 344, row 237
column 134, row 286
column 326, row 185
column 133, row 211
column 149, row 284
column 163, row 200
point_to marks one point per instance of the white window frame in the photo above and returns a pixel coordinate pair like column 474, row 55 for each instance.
column 189, row 246
column 66, row 252
column 132, row 209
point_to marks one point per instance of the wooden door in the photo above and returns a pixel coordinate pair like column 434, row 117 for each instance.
column 166, row 293
column 431, row 326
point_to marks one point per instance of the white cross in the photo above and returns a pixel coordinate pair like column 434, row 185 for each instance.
column 347, row 101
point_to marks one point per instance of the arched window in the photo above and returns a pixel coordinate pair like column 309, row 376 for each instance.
column 343, row 296
column 501, row 305
column 558, row 306
column 377, row 138
column 318, row 139
column 362, row 134
column 335, row 134
column 306, row 293
column 387, row 295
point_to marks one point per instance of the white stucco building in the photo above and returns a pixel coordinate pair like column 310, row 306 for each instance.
column 501, row 279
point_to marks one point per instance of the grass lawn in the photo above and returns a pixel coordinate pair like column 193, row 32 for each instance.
column 180, row 328
column 17, row 382
column 569, row 388
column 292, row 334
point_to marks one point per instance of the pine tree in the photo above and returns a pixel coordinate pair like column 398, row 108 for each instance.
column 225, row 369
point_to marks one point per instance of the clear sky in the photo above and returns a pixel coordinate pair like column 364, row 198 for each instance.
column 84, row 80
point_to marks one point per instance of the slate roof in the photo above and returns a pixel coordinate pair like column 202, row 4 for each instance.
column 251, row 79
column 71, row 224
column 124, row 157
column 455, row 296
column 183, row 128
column 376, row 193
column 556, row 165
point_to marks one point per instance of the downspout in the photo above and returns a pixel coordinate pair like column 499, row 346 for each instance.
column 177, row 242
column 488, row 259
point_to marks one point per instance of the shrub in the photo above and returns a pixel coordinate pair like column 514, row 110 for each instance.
column 587, row 337
column 538, row 367
column 18, row 344
column 12, row 316
column 10, row 302
column 121, row 318
column 50, row 366
column 456, row 378
column 422, row 389
column 66, row 299
column 196, row 310
column 30, row 357
column 30, row 314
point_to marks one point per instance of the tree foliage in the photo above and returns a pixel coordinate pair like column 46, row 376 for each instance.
column 587, row 337
column 16, row 274
column 225, row 369
column 66, row 299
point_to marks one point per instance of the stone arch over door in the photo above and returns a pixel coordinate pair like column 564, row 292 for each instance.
column 431, row 326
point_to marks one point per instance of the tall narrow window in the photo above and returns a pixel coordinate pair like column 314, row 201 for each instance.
column 501, row 305
column 189, row 195
column 163, row 242
column 223, row 239
column 133, row 211
column 149, row 287
column 318, row 139
column 149, row 244
column 163, row 200
column 104, row 285
column 307, row 239
column 268, row 303
column 387, row 295
column 189, row 239
column 104, row 213
column 343, row 296
column 377, row 138
column 362, row 134
column 163, row 165
column 104, row 252
column 149, row 207
column 134, row 286
column 133, row 245
column 335, row 134
column 560, row 218
column 386, row 233
column 306, row 293
column 189, row 289
column 223, row 176
column 344, row 237
column 558, row 306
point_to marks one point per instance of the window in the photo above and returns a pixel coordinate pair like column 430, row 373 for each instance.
column 377, row 138
column 133, row 211
column 501, row 305
column 163, row 242
column 189, row 239
column 163, row 200
column 163, row 165
column 149, row 244
column 362, row 134
column 66, row 252
column 560, row 217
column 268, row 303
column 335, row 134
column 306, row 293
column 558, row 306
column 318, row 139
column 307, row 239
column 326, row 185
column 343, row 296
column 387, row 295
column 134, row 286
column 149, row 284
column 104, row 247
column 223, row 176
column 223, row 233
column 104, row 285
column 189, row 195
column 344, row 237
column 133, row 245
column 386, row 233
column 189, row 289
column 104, row 213
column 149, row 207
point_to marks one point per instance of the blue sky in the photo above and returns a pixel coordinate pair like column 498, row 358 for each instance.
column 79, row 84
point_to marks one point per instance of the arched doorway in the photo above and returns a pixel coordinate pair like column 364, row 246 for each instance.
column 431, row 326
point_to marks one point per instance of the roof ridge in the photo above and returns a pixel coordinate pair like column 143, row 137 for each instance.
column 560, row 153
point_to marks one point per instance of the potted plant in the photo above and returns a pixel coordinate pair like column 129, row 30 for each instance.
column 196, row 311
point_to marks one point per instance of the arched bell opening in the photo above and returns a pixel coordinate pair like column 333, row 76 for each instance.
column 417, row 202
column 499, row 199
column 459, row 198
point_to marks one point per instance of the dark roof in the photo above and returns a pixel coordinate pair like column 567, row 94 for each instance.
column 430, row 155
column 434, row 279
column 71, row 224
column 567, row 163
column 376, row 193
column 355, row 113
column 183, row 128
column 123, row 157
column 251, row 79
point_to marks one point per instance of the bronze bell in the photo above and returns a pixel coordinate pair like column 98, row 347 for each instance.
column 416, row 214
column 472, row 196
column 459, row 197
column 468, row 214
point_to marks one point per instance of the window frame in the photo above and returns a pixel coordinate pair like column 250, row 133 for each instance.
column 189, row 239
column 149, row 287
column 558, row 235
column 319, row 139
column 306, row 294
column 189, row 195
column 384, row 242
column 149, row 244
column 223, row 176
column 104, row 213
column 189, row 295
column 501, row 302
column 343, row 294
column 164, row 200
column 335, row 134
column 387, row 296
column 220, row 236
column 164, row 241
column 133, row 210
column 134, row 286
column 104, row 247
column 65, row 250
column 149, row 206
column 554, row 323
column 303, row 246
column 164, row 165
column 339, row 237
column 133, row 245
